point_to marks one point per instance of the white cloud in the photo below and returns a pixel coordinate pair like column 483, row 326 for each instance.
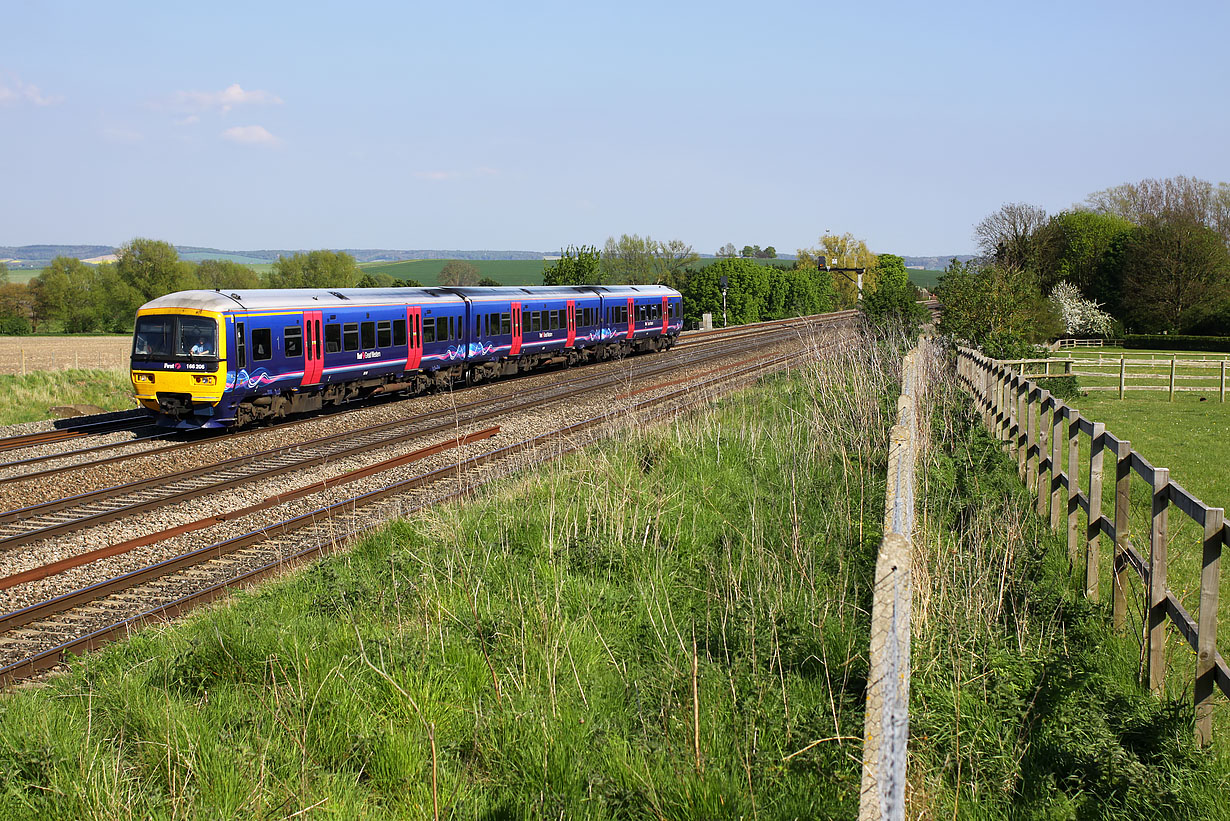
column 191, row 119
column 13, row 90
column 224, row 100
column 251, row 135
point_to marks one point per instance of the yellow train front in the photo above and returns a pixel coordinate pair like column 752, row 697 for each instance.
column 179, row 362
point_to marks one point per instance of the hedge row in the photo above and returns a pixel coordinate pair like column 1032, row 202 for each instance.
column 1177, row 342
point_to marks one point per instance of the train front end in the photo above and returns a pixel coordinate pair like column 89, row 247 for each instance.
column 178, row 366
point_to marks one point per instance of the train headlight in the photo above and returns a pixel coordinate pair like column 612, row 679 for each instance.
column 204, row 380
column 142, row 377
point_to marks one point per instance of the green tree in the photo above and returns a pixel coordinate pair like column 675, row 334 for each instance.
column 218, row 274
column 770, row 252
column 488, row 282
column 315, row 269
column 1080, row 247
column 577, row 265
column 459, row 273
column 727, row 250
column 633, row 260
column 841, row 251
column 376, row 280
column 748, row 252
column 153, row 268
column 4, row 273
column 85, row 297
column 1176, row 273
column 17, row 315
column 994, row 306
column 894, row 299
column 407, row 283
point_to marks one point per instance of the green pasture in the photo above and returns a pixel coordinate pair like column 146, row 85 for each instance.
column 1100, row 367
column 925, row 278
column 27, row 398
column 1186, row 437
column 22, row 275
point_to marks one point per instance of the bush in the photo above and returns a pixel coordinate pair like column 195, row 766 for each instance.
column 1062, row 387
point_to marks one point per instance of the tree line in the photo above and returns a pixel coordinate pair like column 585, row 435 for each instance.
column 75, row 297
column 1145, row 257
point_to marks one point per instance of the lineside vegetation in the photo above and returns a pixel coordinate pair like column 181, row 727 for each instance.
column 671, row 624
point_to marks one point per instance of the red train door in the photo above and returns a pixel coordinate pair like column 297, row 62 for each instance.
column 516, row 329
column 572, row 323
column 631, row 318
column 666, row 314
column 414, row 337
column 313, row 351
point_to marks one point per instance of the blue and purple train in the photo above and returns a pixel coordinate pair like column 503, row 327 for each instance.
column 220, row 359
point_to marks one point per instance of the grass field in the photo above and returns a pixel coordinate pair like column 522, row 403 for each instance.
column 28, row 398
column 543, row 652
column 924, row 278
column 1099, row 367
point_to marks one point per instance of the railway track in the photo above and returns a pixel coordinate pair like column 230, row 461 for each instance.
column 36, row 637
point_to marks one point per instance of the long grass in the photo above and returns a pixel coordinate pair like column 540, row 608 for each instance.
column 673, row 624
column 30, row 397
column 1026, row 704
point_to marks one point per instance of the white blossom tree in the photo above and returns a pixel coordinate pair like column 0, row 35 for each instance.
column 1079, row 315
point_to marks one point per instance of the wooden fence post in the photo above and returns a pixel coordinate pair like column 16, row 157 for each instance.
column 1206, row 642
column 1172, row 368
column 1223, row 380
column 1022, row 413
column 1123, row 536
column 1158, row 536
column 1056, row 485
column 1031, row 441
column 1122, row 374
column 1072, row 480
column 1093, row 522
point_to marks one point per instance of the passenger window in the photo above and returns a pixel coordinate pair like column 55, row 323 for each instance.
column 399, row 332
column 384, row 334
column 241, row 348
column 368, row 335
column 292, row 340
column 262, row 344
column 526, row 317
column 454, row 328
column 505, row 323
column 429, row 330
column 536, row 321
column 333, row 337
column 350, row 335
column 442, row 333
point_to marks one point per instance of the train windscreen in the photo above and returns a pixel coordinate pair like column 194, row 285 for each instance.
column 175, row 337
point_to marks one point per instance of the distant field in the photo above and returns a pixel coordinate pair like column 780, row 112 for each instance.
column 925, row 278
column 23, row 274
column 197, row 256
column 427, row 271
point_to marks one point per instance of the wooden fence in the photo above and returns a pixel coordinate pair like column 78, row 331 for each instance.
column 1025, row 417
column 1035, row 368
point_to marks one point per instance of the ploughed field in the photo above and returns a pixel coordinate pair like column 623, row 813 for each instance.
column 57, row 353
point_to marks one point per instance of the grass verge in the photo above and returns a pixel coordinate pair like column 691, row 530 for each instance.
column 670, row 625
column 1025, row 704
column 29, row 398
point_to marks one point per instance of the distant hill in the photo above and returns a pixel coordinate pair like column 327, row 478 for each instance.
column 936, row 263
column 39, row 256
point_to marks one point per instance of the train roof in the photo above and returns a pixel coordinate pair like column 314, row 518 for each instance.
column 289, row 298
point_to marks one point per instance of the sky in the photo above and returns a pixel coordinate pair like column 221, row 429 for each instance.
column 532, row 126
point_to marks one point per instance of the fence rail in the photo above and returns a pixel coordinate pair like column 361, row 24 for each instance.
column 1036, row 368
column 886, row 727
column 1025, row 417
